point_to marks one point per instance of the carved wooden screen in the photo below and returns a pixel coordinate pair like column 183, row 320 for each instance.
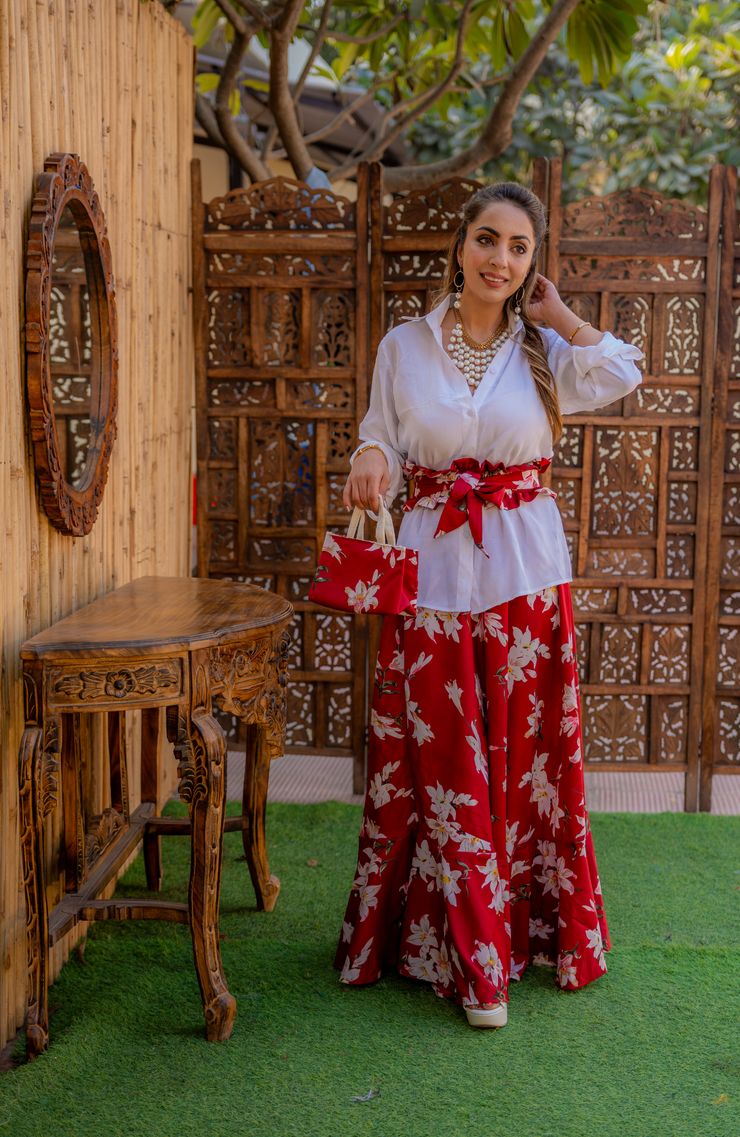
column 720, row 752
column 280, row 276
column 633, row 479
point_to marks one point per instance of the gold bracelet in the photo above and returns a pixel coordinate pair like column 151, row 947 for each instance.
column 587, row 324
column 370, row 446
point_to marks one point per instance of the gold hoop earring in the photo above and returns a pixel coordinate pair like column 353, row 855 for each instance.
column 459, row 285
column 519, row 296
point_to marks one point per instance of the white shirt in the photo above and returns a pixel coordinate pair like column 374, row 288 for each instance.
column 423, row 411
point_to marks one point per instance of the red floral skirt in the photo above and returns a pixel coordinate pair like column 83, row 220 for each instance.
column 476, row 855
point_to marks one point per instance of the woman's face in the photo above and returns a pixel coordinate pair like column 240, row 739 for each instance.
column 497, row 252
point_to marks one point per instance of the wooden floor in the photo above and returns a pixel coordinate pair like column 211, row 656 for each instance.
column 304, row 778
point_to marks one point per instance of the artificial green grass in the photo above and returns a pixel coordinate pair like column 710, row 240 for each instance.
column 651, row 1049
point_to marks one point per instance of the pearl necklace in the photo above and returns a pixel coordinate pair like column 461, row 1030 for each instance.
column 473, row 358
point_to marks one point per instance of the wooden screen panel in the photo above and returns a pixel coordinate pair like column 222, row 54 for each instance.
column 720, row 750
column 281, row 313
column 633, row 479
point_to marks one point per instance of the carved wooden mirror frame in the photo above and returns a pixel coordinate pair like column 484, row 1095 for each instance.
column 67, row 182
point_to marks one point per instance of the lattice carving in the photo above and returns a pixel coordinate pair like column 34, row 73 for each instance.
column 240, row 392
column 339, row 717
column 415, row 266
column 281, row 323
column 299, row 587
column 669, row 658
column 682, row 503
column 672, row 716
column 433, row 210
column 399, row 305
column 333, row 644
column 730, row 559
column 343, row 441
column 327, row 265
column 667, row 400
column 224, row 541
column 684, row 449
column 632, row 322
column 679, row 557
column 646, row 269
column 301, row 706
column 297, row 632
column 731, row 504
column 222, row 491
column 583, row 650
column 728, row 660
column 594, row 599
column 660, row 601
column 621, row 562
column 728, row 721
column 585, row 305
column 286, row 552
column 625, row 487
column 222, row 438
column 228, row 328
column 614, row 728
column 282, row 464
column 569, row 497
column 280, row 204
column 634, row 213
column 569, row 450
column 732, row 451
column 333, row 326
column 620, row 653
column 322, row 394
column 101, row 833
column 682, row 342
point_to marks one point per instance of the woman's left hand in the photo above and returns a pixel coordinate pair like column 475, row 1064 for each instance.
column 544, row 303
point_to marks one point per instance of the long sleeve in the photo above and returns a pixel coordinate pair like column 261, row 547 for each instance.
column 587, row 378
column 380, row 425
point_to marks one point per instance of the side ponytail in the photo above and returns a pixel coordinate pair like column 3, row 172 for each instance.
column 533, row 344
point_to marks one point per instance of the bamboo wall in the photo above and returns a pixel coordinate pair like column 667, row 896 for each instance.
column 112, row 81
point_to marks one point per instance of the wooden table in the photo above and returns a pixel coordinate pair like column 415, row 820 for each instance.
column 158, row 642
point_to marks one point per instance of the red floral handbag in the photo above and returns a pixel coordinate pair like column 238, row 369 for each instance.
column 377, row 576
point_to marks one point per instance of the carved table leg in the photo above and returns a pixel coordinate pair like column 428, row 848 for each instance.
column 254, row 801
column 32, row 792
column 150, row 781
column 205, row 792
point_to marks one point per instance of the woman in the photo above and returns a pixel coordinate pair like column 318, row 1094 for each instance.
column 475, row 851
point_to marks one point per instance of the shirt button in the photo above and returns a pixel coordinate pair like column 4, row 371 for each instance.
column 470, row 413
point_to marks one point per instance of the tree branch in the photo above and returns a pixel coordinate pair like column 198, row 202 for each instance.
column 318, row 43
column 497, row 131
column 339, row 119
column 280, row 100
column 343, row 37
column 428, row 99
column 207, row 119
column 245, row 155
column 259, row 16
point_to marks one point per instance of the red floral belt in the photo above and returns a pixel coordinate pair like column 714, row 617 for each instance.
column 469, row 485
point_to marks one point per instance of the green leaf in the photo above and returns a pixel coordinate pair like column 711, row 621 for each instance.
column 518, row 35
column 207, row 82
column 205, row 20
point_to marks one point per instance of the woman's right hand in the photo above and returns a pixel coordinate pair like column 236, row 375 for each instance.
column 368, row 480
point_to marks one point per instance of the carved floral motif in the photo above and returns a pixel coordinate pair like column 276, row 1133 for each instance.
column 122, row 683
column 280, row 203
column 103, row 830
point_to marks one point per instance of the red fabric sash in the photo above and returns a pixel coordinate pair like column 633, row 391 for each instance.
column 469, row 485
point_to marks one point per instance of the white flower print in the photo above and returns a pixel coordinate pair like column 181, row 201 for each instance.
column 372, row 865
column 415, row 668
column 372, row 830
column 450, row 625
column 487, row 956
column 479, row 756
column 550, row 598
column 353, row 966
column 446, row 802
column 456, row 958
column 425, row 862
column 447, row 879
column 422, row 732
column 384, row 725
column 455, row 691
column 543, row 791
column 362, row 597
column 381, row 785
column 470, row 844
column 428, row 620
column 492, row 878
column 568, row 651
column 518, row 867
column 368, row 899
column 490, row 624
column 566, row 970
column 569, row 722
column 517, row 969
column 556, row 878
column 596, row 945
column 332, row 548
column 347, row 930
column 548, row 854
column 541, row 960
column 443, row 964
column 538, row 928
column 442, row 829
column 535, row 719
column 513, row 841
column 423, row 936
column 523, row 653
column 421, row 967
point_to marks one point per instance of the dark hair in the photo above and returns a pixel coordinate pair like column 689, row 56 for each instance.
column 533, row 344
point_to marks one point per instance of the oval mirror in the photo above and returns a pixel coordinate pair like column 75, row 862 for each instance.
column 71, row 350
